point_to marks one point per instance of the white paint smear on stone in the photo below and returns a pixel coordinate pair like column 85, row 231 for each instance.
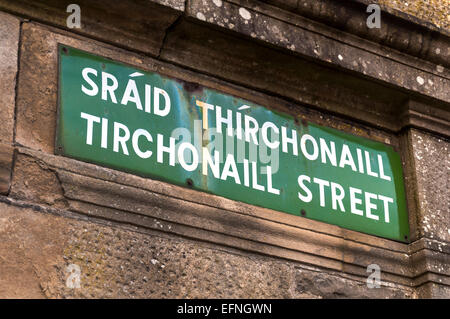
column 245, row 14
column 218, row 2
column 201, row 16
column 420, row 80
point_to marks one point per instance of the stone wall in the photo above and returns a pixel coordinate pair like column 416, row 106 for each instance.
column 133, row 237
column 436, row 12
column 128, row 262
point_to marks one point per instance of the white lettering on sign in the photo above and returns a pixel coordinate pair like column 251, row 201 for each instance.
column 235, row 123
column 110, row 84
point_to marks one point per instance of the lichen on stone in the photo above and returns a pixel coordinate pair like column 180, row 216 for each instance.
column 436, row 12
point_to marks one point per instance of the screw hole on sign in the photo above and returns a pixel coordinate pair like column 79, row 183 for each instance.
column 64, row 50
column 303, row 212
column 189, row 182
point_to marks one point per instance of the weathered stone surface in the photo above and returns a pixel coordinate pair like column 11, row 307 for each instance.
column 399, row 29
column 115, row 262
column 156, row 205
column 35, row 182
column 432, row 290
column 204, row 217
column 9, row 46
column 423, row 115
column 175, row 4
column 28, row 245
column 176, row 211
column 431, row 156
column 285, row 4
column 432, row 266
column 119, row 264
column 255, row 21
column 312, row 284
column 430, row 11
column 37, row 91
column 433, row 11
column 6, row 159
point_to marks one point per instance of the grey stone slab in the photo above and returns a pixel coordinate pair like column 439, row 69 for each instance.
column 9, row 46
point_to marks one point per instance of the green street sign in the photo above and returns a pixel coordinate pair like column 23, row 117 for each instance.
column 154, row 126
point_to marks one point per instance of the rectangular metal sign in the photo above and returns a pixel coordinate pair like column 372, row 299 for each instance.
column 154, row 126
